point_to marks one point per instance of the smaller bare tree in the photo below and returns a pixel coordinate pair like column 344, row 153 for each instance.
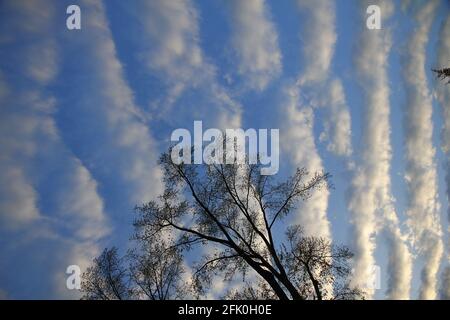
column 316, row 266
column 442, row 74
column 157, row 270
column 107, row 278
column 152, row 270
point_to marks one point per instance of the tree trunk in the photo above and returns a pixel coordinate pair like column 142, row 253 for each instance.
column 315, row 283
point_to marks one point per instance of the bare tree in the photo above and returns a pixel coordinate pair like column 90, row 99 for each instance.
column 315, row 266
column 157, row 271
column 107, row 279
column 233, row 211
column 442, row 74
column 150, row 271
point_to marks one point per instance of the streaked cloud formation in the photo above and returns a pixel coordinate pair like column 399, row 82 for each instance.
column 255, row 42
column 337, row 123
column 443, row 94
column 297, row 109
column 174, row 52
column 319, row 39
column 421, row 173
column 31, row 143
column 371, row 197
column 298, row 120
column 123, row 139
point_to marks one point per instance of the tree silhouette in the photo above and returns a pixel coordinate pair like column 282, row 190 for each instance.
column 442, row 74
column 107, row 279
column 227, row 215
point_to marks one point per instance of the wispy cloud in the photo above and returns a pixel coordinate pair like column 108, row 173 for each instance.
column 31, row 143
column 299, row 144
column 319, row 38
column 421, row 174
column 298, row 112
column 337, row 121
column 315, row 88
column 120, row 138
column 175, row 54
column 443, row 94
column 371, row 198
column 255, row 43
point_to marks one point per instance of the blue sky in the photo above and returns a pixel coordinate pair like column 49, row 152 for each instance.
column 85, row 113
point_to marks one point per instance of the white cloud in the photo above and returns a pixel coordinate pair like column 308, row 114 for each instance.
column 371, row 198
column 319, row 38
column 255, row 42
column 337, row 122
column 171, row 27
column 81, row 204
column 78, row 253
column 297, row 140
column 42, row 61
column 421, row 173
column 445, row 285
column 30, row 141
column 17, row 198
column 126, row 143
column 443, row 95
